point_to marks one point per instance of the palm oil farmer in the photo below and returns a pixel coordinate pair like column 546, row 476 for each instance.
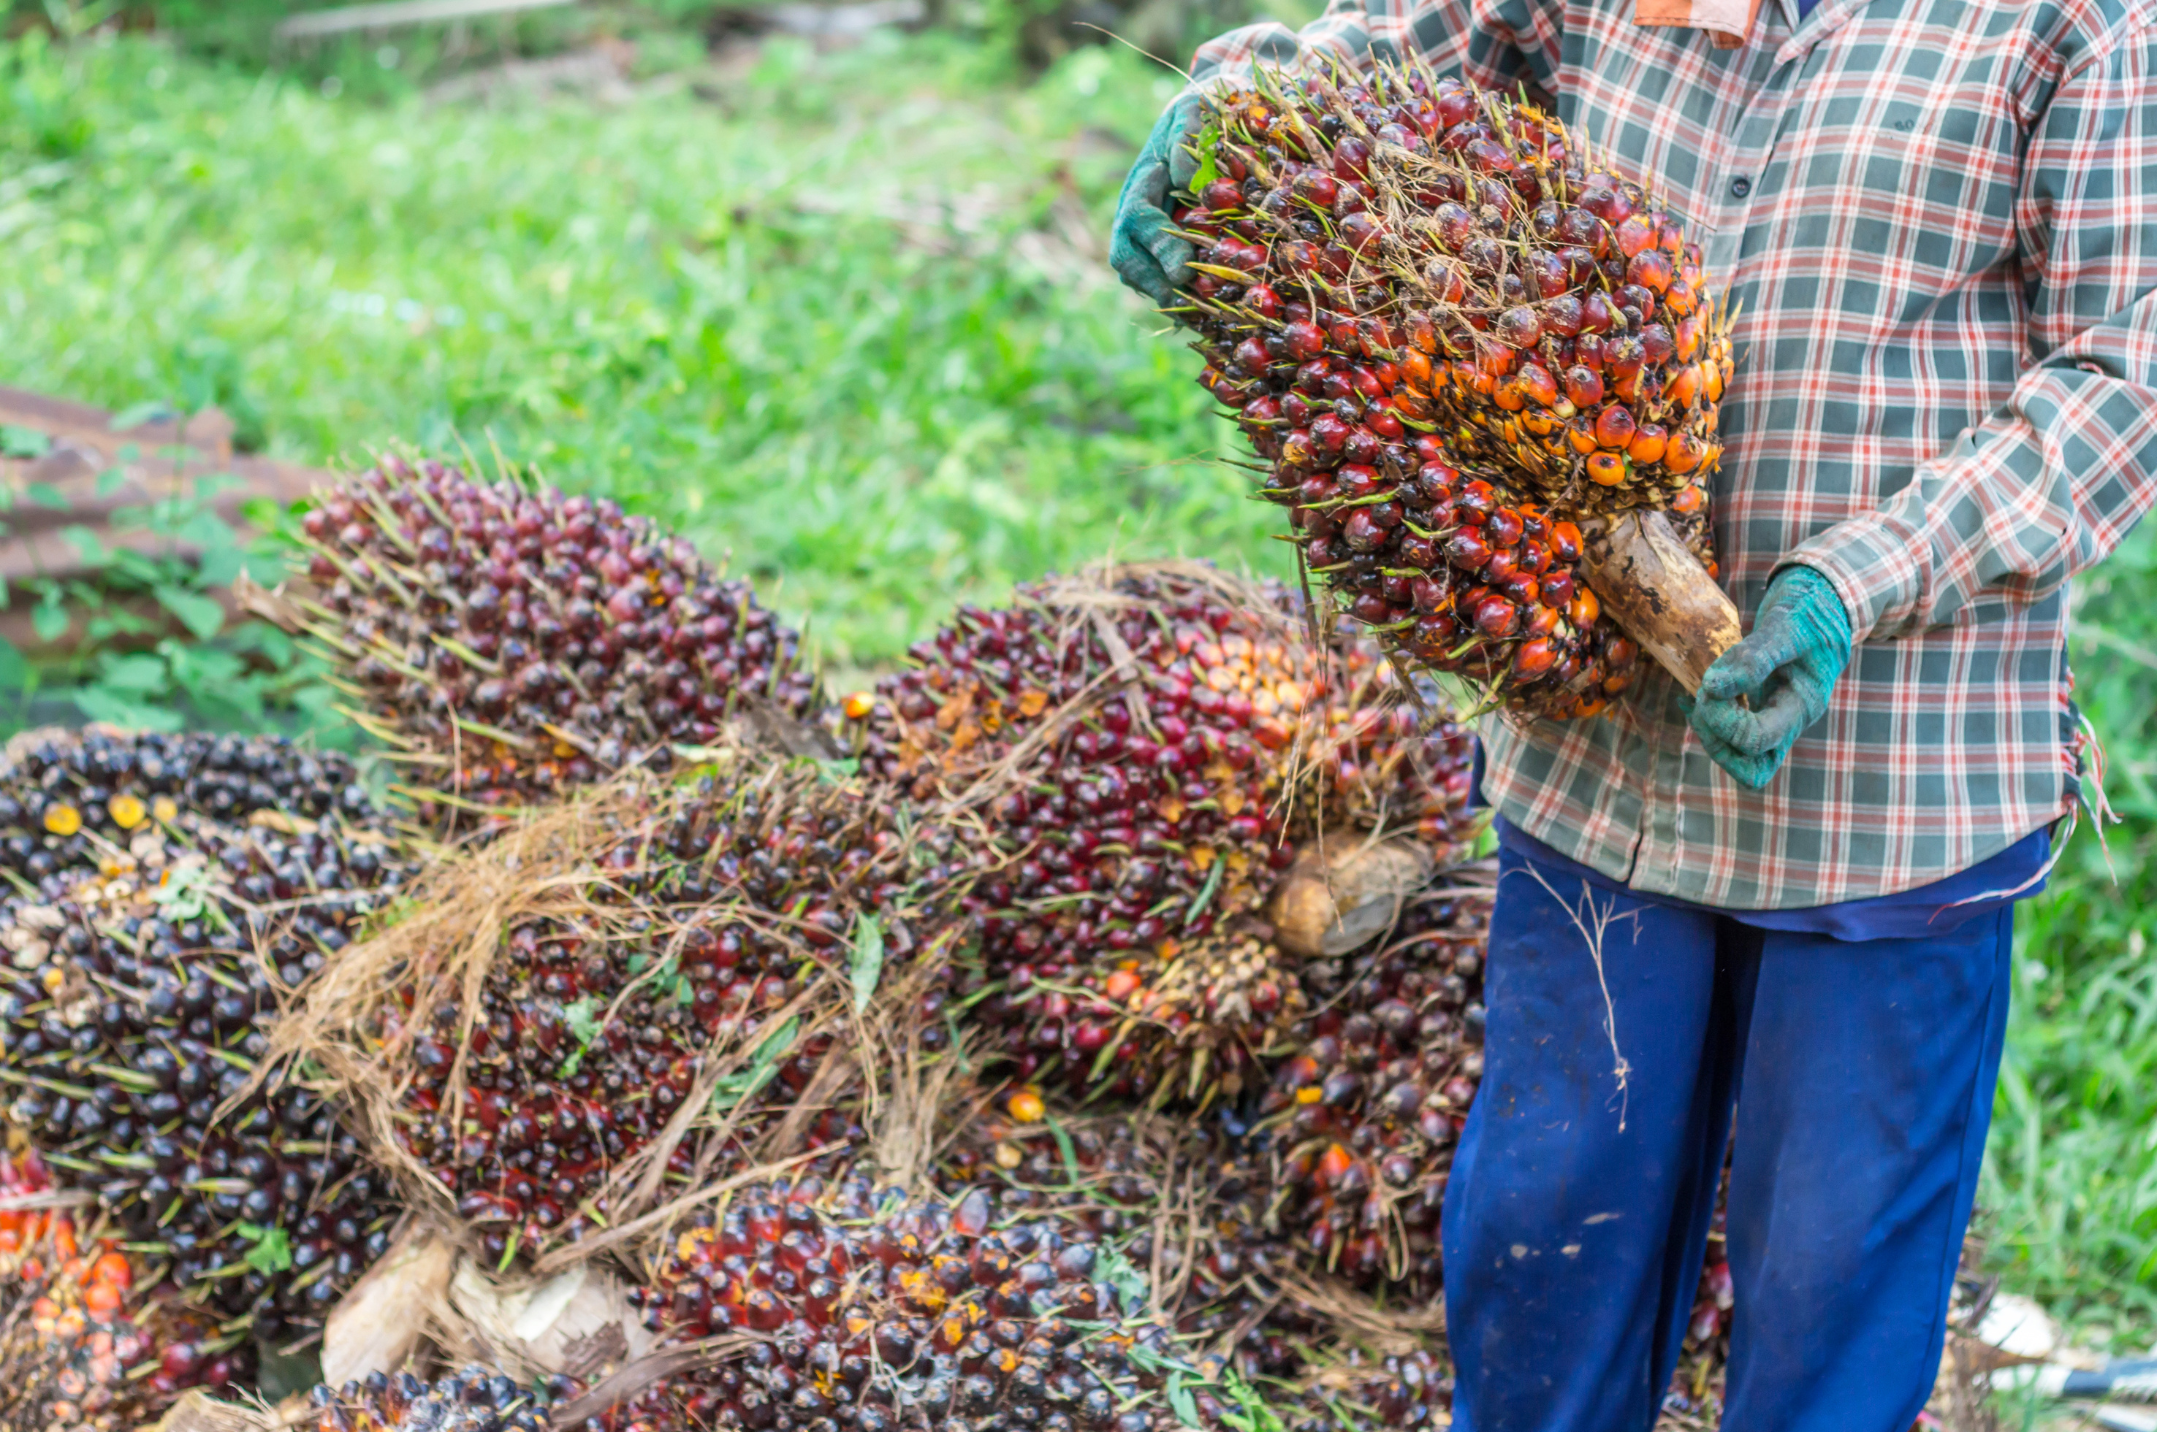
column 1940, row 217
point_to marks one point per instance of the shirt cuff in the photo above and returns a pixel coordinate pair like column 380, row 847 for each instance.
column 1875, row 564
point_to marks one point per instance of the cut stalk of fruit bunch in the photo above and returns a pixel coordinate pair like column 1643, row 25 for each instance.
column 625, row 993
column 1452, row 334
column 88, row 1340
column 511, row 641
column 167, row 887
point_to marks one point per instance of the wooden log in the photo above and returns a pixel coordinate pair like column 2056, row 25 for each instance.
column 1658, row 591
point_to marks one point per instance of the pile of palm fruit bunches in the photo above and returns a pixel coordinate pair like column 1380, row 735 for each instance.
column 1452, row 337
column 1072, row 1031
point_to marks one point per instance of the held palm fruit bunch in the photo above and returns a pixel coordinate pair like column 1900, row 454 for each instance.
column 87, row 1339
column 660, row 975
column 169, row 885
column 913, row 1312
column 512, row 641
column 1359, row 1125
column 1452, row 335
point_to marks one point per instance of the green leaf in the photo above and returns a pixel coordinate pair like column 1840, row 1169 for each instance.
column 111, row 480
column 23, row 442
column 14, row 669
column 579, row 1017
column 134, row 417
column 1131, row 1284
column 1181, row 1402
column 743, row 1084
column 44, row 494
column 867, row 962
column 1209, row 139
column 49, row 620
column 1251, row 1414
column 199, row 614
column 272, row 1253
column 83, row 540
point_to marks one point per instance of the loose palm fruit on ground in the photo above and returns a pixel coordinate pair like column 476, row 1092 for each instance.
column 86, row 1342
column 513, row 641
column 885, row 1312
column 1360, row 1122
column 1449, row 336
column 475, row 1398
column 169, row 881
column 1365, row 1390
column 698, row 918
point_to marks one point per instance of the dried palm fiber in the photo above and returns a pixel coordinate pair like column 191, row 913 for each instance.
column 1452, row 335
column 91, row 1339
column 168, row 892
column 616, row 997
column 507, row 642
column 1178, row 1209
column 1142, row 745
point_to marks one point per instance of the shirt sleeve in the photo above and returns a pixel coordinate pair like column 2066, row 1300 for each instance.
column 1494, row 43
column 2053, row 480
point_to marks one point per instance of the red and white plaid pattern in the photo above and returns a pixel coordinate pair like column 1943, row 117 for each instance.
column 1941, row 219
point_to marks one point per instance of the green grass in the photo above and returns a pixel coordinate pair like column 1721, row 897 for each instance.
column 703, row 308
column 823, row 314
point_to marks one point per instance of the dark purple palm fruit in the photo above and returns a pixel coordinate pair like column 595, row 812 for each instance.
column 170, row 888
column 510, row 642
column 912, row 1311
column 699, row 925
column 475, row 1398
column 1446, row 332
column 1359, row 1125
column 1381, row 765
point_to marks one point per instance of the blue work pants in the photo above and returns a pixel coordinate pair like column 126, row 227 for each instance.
column 1575, row 1223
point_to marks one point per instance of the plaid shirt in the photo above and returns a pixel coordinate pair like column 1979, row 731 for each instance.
column 1941, row 218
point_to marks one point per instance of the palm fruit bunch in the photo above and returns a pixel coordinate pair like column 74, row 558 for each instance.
column 167, row 885
column 1138, row 748
column 691, row 928
column 1231, row 1285
column 513, row 641
column 475, row 1398
column 1360, row 1121
column 87, row 1342
column 1451, row 334
column 916, row 1312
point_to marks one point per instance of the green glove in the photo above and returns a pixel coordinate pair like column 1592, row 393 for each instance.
column 1142, row 249
column 1783, row 673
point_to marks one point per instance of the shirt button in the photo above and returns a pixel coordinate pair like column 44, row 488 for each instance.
column 1740, row 187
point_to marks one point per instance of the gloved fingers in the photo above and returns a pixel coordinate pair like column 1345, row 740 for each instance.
column 1750, row 769
column 1140, row 270
column 1745, row 668
column 1145, row 187
column 1172, row 255
column 1778, row 720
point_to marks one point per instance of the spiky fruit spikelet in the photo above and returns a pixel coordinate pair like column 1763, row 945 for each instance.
column 1384, row 764
column 661, row 974
column 86, row 1343
column 171, row 876
column 910, row 1312
column 475, row 1398
column 511, row 641
column 1360, row 1122
column 1449, row 333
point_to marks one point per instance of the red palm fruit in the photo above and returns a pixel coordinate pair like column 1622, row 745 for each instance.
column 1647, row 446
column 1607, row 469
column 1496, row 617
column 1583, row 387
column 1614, row 426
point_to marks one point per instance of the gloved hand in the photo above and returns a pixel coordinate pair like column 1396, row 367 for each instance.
column 1783, row 671
column 1141, row 248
